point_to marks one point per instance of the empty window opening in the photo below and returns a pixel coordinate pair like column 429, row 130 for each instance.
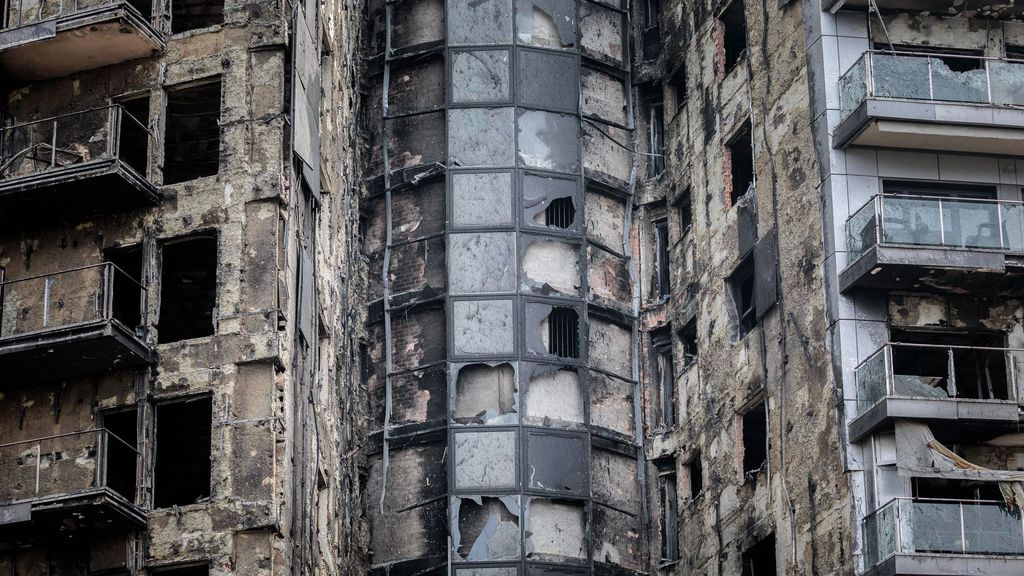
column 688, row 341
column 664, row 378
column 950, row 365
column 133, row 134
column 121, row 456
column 954, row 489
column 741, row 285
column 128, row 298
column 1014, row 52
column 485, row 394
column 735, row 34
column 740, row 155
column 661, row 262
column 188, row 288
column 755, row 440
column 759, row 559
column 655, row 112
column 364, row 234
column 195, row 14
column 695, row 476
column 679, row 87
column 181, row 469
column 652, row 31
column 192, row 133
column 194, row 570
column 564, row 333
column 669, row 519
column 560, row 213
column 685, row 209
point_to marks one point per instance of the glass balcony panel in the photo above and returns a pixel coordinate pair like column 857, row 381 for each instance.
column 871, row 381
column 968, row 224
column 920, row 372
column 934, row 527
column 959, row 80
column 900, row 76
column 880, row 534
column 990, row 528
column 861, row 232
column 853, row 86
column 908, row 220
column 1013, row 224
column 1007, row 80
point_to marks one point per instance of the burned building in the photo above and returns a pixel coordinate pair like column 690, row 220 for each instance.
column 177, row 392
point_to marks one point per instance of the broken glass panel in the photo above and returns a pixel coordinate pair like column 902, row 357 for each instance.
column 552, row 331
column 479, row 22
column 959, row 79
column 485, row 394
column 554, row 397
column 548, row 80
column 481, row 137
column 853, row 87
column 900, row 76
column 551, row 266
column 549, row 201
column 556, row 463
column 482, row 326
column 479, row 263
column 485, row 460
column 556, row 530
column 550, row 23
column 481, row 76
column 1007, row 79
column 548, row 140
column 485, row 528
column 934, row 527
column 481, row 199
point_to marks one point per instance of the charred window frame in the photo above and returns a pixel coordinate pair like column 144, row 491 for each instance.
column 188, row 287
column 122, row 459
column 663, row 378
column 688, row 342
column 695, row 476
column 192, row 131
column 679, row 87
column 654, row 110
column 740, row 152
column 195, row 14
column 651, row 34
column 734, row 25
column 755, row 439
column 759, row 559
column 668, row 497
column 182, row 451
column 741, row 286
column 133, row 135
column 662, row 259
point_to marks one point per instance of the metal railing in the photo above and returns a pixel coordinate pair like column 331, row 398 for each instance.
column 70, row 298
column 26, row 12
column 108, row 132
column 933, row 526
column 940, row 78
column 929, row 371
column 67, row 464
column 947, row 222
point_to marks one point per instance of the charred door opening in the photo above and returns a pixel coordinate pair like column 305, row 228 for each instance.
column 127, row 282
column 181, row 470
column 121, row 458
column 759, row 559
column 188, row 288
column 740, row 154
column 755, row 440
column 133, row 138
column 192, row 132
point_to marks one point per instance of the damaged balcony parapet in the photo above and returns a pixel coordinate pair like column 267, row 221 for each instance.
column 74, row 166
column 75, row 481
column 58, row 39
column 932, row 102
column 72, row 323
column 1002, row 10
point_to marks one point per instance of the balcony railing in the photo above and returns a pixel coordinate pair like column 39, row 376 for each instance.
column 72, row 140
column 26, row 12
column 928, row 371
column 930, row 77
column 71, row 298
column 922, row 526
column 67, row 465
column 943, row 222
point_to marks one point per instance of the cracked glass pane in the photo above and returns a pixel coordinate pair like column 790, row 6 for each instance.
column 1007, row 79
column 550, row 23
column 556, row 529
column 479, row 22
column 551, row 267
column 485, row 460
column 900, row 76
column 554, row 397
column 549, row 202
column 485, row 394
column 479, row 263
column 934, row 527
column 548, row 80
column 549, row 141
column 480, row 76
column 556, row 463
column 481, row 137
column 485, row 528
column 959, row 79
column 482, row 326
column 853, row 87
column 481, row 199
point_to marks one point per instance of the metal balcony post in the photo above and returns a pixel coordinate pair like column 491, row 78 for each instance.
column 931, row 81
column 114, row 132
column 887, row 358
column 38, row 465
column 898, row 517
column 53, row 146
column 108, row 291
column 999, row 224
column 988, row 80
column 951, row 373
column 101, row 457
column 47, row 283
column 942, row 225
column 879, row 218
column 963, row 530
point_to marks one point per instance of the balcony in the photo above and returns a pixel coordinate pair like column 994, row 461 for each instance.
column 44, row 39
column 933, row 243
column 68, row 482
column 929, row 102
column 940, row 537
column 944, row 7
column 72, row 323
column 74, row 166
column 934, row 382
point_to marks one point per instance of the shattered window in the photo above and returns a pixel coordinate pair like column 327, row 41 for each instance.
column 553, row 330
column 556, row 463
column 548, row 80
column 479, row 263
column 479, row 21
column 480, row 137
column 485, row 460
column 485, row 394
column 549, row 141
column 554, row 397
column 549, row 201
column 550, row 23
column 482, row 327
column 551, row 266
column 485, row 528
column 481, row 76
column 481, row 199
column 557, row 530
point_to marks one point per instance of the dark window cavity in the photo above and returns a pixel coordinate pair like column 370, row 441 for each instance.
column 740, row 151
column 121, row 456
column 188, row 288
column 655, row 112
column 192, row 133
column 126, row 283
column 679, row 87
column 194, row 14
column 133, row 135
column 661, row 261
column 669, row 500
column 684, row 206
column 194, row 570
column 741, row 285
column 181, row 471
column 560, row 213
column 695, row 475
column 735, row 24
column 564, row 333
column 688, row 341
column 663, row 378
column 952, row 364
column 652, row 29
column 759, row 559
column 755, row 440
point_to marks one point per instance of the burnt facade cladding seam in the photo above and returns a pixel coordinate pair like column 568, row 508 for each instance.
column 499, row 481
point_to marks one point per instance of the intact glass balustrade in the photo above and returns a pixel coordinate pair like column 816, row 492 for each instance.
column 940, row 78
column 936, row 372
column 936, row 221
column 925, row 526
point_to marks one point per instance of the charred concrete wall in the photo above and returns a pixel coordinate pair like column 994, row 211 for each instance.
column 276, row 361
